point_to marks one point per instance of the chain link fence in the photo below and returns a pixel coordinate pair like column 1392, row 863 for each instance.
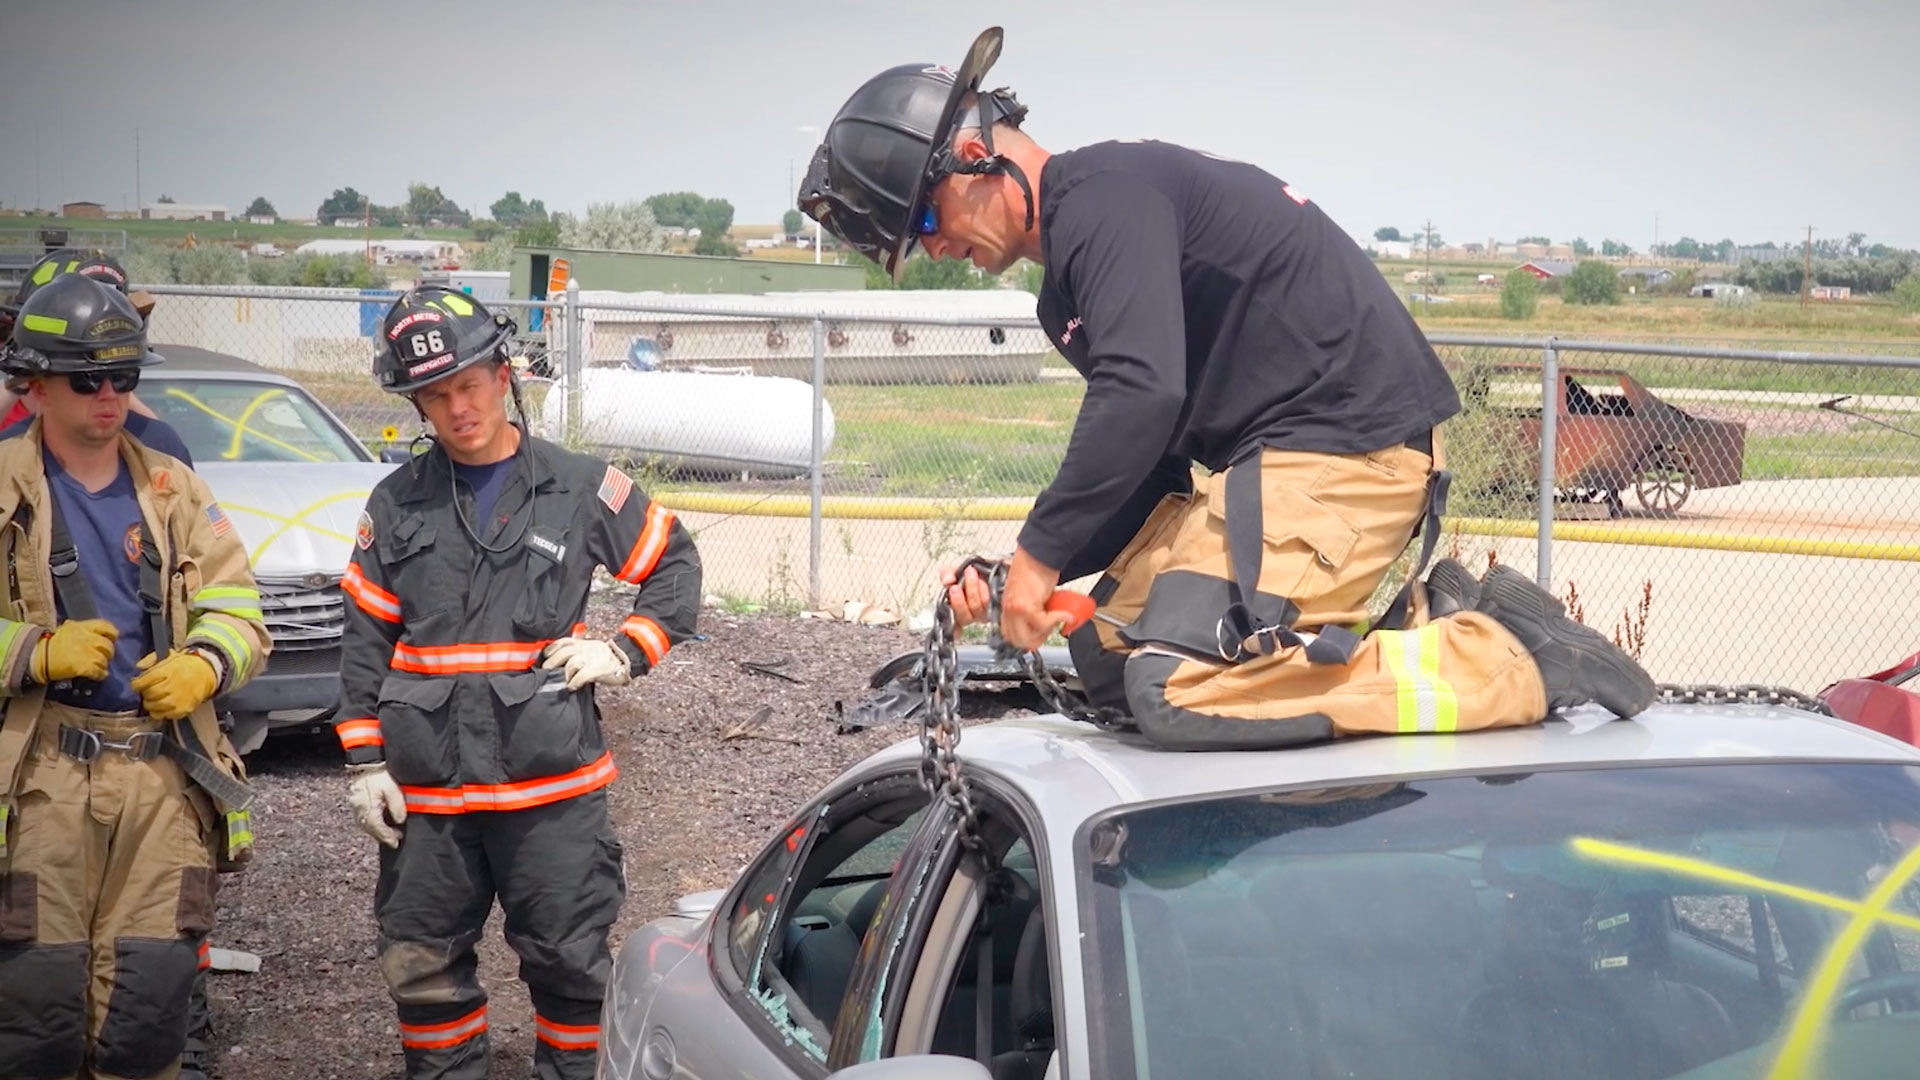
column 1729, row 515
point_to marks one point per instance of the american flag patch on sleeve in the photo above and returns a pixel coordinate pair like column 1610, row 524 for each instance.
column 614, row 489
column 217, row 518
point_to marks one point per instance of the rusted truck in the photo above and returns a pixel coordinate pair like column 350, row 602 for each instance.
column 1613, row 435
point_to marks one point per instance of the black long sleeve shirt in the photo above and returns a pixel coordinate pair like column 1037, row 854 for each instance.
column 1213, row 310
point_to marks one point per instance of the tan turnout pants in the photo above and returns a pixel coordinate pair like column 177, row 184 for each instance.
column 1333, row 525
column 103, row 907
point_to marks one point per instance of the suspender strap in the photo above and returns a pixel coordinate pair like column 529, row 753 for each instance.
column 1437, row 483
column 231, row 794
column 153, row 595
column 1264, row 617
column 1269, row 619
column 64, row 560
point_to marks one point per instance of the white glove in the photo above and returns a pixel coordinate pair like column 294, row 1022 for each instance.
column 377, row 802
column 589, row 660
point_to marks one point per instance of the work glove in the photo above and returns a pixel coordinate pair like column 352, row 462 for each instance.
column 174, row 687
column 77, row 649
column 589, row 660
column 377, row 802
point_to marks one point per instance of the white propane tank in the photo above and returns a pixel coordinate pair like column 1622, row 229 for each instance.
column 704, row 420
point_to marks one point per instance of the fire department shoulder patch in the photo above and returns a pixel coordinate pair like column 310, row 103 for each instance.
column 363, row 533
column 614, row 489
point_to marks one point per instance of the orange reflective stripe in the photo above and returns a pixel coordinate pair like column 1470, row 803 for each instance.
column 440, row 1036
column 206, row 955
column 518, row 796
column 472, row 656
column 567, row 1036
column 364, row 731
column 369, row 597
column 647, row 634
column 649, row 547
column 479, row 656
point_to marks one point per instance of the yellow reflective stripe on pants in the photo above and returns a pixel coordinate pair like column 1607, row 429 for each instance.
column 239, row 829
column 1427, row 702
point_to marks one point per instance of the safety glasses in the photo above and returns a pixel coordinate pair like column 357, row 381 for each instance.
column 88, row 383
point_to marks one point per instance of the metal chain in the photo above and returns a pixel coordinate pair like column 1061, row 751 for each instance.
column 1743, row 694
column 941, row 772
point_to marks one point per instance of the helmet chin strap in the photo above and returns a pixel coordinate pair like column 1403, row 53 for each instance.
column 990, row 112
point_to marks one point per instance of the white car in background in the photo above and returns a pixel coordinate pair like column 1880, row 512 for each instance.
column 293, row 479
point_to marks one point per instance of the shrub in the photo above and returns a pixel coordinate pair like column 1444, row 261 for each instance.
column 1519, row 295
column 1593, row 282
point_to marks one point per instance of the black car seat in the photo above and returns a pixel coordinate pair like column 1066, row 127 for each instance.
column 1561, row 1017
column 819, row 960
column 1031, row 997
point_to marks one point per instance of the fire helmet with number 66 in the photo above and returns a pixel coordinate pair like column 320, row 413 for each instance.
column 432, row 332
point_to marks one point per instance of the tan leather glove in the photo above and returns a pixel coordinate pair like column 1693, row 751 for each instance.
column 77, row 649
column 175, row 686
column 589, row 660
column 377, row 802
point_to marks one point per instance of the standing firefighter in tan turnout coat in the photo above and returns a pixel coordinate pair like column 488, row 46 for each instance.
column 126, row 605
column 1221, row 319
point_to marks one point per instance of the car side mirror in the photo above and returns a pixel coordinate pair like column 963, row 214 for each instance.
column 396, row 455
column 916, row 1067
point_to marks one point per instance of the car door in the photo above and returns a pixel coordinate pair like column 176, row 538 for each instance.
column 790, row 937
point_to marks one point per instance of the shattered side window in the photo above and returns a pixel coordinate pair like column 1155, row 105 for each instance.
column 811, row 912
column 753, row 911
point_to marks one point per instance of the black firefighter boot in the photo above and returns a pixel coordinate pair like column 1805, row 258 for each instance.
column 1577, row 664
column 1451, row 588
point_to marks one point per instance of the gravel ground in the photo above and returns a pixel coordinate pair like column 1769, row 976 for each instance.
column 690, row 807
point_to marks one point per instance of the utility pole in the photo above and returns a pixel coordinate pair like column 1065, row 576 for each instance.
column 1806, row 271
column 136, row 172
column 1429, row 281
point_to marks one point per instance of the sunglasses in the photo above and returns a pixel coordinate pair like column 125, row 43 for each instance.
column 88, row 383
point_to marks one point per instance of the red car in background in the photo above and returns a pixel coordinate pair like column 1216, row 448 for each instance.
column 1886, row 701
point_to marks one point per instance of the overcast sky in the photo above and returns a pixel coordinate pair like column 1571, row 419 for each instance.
column 1749, row 119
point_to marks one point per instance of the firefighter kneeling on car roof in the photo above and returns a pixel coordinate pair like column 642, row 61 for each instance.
column 127, row 606
column 467, row 692
column 1221, row 319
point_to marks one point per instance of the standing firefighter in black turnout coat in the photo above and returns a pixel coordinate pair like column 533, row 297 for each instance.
column 467, row 693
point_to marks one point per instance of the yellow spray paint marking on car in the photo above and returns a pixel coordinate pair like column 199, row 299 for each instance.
column 239, row 425
column 1815, row 1016
column 299, row 518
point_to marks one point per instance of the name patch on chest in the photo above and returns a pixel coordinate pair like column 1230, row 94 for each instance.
column 544, row 541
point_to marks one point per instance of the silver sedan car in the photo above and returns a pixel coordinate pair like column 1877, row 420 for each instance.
column 1708, row 890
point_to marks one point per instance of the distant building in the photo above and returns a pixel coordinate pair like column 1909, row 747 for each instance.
column 1547, row 268
column 177, row 211
column 83, row 210
column 1718, row 290
column 1830, row 292
column 1652, row 275
column 262, row 219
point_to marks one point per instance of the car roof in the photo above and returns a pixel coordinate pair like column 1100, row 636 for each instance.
column 188, row 361
column 1078, row 769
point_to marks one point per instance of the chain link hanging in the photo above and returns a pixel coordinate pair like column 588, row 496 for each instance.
column 941, row 772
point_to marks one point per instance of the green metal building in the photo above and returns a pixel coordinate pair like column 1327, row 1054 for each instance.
column 626, row 271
